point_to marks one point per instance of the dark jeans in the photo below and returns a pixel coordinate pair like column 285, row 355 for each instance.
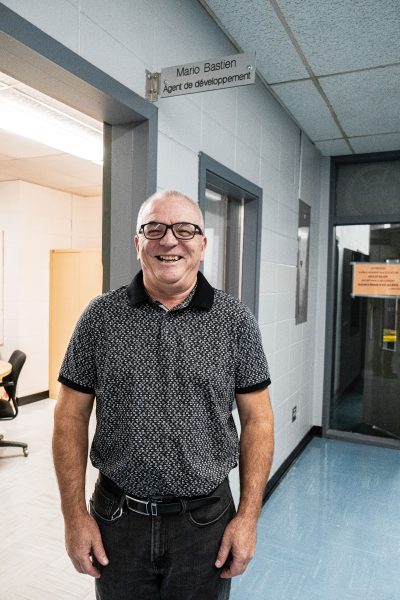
column 166, row 557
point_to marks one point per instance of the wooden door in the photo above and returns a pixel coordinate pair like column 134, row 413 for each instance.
column 75, row 278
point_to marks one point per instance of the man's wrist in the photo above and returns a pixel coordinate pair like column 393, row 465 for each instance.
column 73, row 514
column 249, row 512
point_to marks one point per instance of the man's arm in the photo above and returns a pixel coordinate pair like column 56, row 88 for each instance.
column 256, row 451
column 70, row 451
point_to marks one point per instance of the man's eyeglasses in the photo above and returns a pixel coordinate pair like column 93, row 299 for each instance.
column 182, row 231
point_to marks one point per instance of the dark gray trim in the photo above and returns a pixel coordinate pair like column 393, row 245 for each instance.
column 213, row 173
column 33, row 398
column 106, row 213
column 367, row 157
column 366, row 220
column 330, row 306
column 359, row 438
column 130, row 171
column 128, row 181
column 32, row 56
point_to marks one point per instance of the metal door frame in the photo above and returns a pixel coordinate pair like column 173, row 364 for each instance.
column 130, row 133
column 331, row 286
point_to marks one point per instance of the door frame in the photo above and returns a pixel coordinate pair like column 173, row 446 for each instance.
column 220, row 177
column 331, row 288
column 130, row 131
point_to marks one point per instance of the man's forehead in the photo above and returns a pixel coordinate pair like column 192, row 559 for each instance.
column 175, row 207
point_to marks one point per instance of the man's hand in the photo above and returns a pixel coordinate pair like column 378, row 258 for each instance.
column 83, row 540
column 240, row 539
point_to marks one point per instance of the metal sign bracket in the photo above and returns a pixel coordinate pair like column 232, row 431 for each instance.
column 152, row 86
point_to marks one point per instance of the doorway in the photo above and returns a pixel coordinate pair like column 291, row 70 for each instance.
column 362, row 353
column 366, row 363
column 232, row 209
column 129, row 127
column 51, row 159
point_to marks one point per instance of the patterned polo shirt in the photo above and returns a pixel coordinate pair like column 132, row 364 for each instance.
column 165, row 383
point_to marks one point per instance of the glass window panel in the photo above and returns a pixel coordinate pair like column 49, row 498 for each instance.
column 370, row 188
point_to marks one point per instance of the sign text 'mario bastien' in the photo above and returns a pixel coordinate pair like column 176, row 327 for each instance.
column 216, row 74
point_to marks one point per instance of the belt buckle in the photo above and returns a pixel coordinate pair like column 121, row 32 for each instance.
column 153, row 506
column 140, row 512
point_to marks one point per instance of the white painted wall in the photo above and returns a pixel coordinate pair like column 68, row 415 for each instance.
column 35, row 220
column 246, row 130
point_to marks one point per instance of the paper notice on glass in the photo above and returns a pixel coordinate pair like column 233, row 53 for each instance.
column 376, row 279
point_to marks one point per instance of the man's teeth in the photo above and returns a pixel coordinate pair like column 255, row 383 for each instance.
column 169, row 258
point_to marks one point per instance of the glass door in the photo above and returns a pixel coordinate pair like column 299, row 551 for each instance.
column 366, row 359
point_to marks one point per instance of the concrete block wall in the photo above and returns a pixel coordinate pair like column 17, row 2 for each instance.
column 243, row 128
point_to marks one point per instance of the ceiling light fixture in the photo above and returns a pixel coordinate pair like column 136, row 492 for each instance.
column 33, row 119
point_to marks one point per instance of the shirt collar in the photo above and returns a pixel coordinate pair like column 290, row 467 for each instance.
column 203, row 296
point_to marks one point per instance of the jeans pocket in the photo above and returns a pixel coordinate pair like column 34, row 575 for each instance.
column 104, row 506
column 207, row 515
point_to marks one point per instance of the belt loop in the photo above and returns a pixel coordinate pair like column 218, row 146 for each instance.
column 183, row 505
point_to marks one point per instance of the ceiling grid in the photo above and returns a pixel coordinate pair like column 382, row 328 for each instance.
column 333, row 64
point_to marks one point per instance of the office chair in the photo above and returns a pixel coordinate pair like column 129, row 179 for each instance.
column 9, row 408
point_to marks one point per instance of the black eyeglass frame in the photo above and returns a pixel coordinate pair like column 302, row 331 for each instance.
column 197, row 230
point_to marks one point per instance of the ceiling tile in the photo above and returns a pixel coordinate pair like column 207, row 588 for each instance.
column 366, row 102
column 376, row 143
column 340, row 35
column 65, row 164
column 333, row 147
column 304, row 102
column 16, row 146
column 87, row 191
column 53, row 172
column 255, row 26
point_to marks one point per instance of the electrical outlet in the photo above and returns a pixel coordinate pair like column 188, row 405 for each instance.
column 294, row 413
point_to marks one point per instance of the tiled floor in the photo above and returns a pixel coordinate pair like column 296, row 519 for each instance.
column 331, row 531
column 33, row 563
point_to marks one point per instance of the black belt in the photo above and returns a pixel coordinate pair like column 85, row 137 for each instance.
column 156, row 506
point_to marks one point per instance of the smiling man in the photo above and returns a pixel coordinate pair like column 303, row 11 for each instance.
column 165, row 357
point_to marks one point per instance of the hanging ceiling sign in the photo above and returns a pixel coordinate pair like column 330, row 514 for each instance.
column 376, row 279
column 215, row 74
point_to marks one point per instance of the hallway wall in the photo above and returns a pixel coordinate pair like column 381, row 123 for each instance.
column 246, row 130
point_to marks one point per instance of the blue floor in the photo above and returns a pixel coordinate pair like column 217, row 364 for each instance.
column 331, row 530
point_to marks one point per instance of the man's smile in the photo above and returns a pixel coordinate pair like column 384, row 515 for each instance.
column 168, row 258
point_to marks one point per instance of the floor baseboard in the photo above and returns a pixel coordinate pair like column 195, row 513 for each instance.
column 315, row 431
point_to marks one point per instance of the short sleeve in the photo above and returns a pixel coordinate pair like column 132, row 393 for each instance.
column 252, row 372
column 78, row 370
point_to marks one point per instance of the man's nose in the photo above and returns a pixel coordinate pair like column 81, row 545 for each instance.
column 168, row 238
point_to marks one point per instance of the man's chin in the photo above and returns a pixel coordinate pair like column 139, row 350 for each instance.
column 169, row 279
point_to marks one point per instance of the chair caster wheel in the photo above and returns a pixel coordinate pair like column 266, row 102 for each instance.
column 26, row 451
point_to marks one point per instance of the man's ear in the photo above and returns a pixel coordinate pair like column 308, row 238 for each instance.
column 204, row 248
column 136, row 242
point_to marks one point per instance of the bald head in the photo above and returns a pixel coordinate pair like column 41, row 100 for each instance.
column 166, row 196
